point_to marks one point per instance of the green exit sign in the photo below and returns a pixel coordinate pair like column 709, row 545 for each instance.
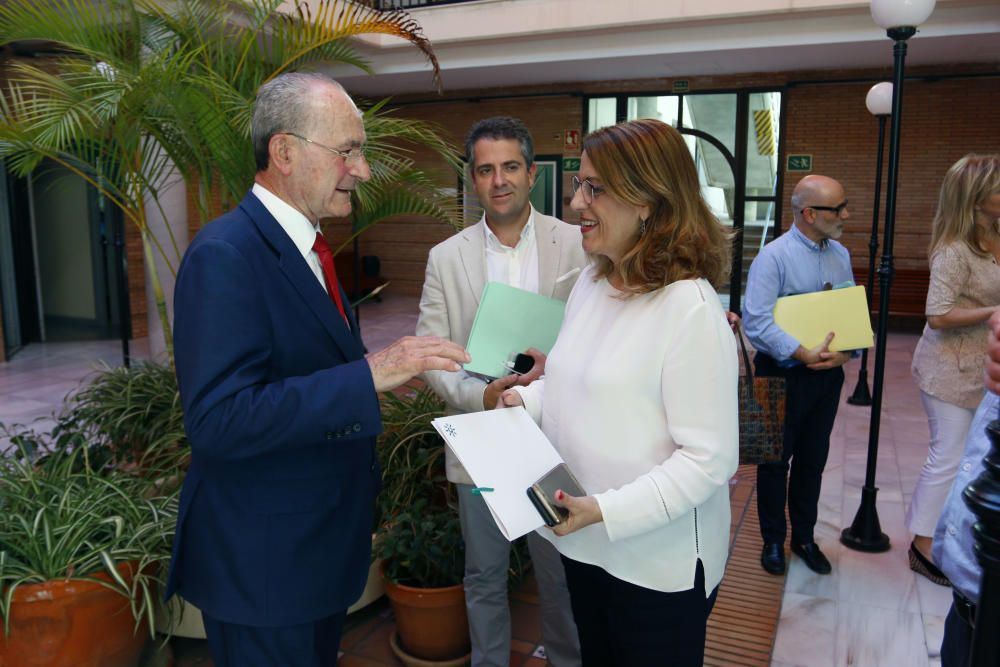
column 680, row 86
column 571, row 164
column 799, row 163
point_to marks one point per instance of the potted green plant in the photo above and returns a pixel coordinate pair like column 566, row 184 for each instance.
column 135, row 411
column 418, row 536
column 83, row 546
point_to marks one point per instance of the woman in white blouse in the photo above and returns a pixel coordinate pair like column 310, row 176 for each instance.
column 640, row 399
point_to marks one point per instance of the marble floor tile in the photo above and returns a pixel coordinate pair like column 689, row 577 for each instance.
column 806, row 631
column 877, row 637
column 803, row 581
column 935, row 600
column 881, row 580
column 933, row 634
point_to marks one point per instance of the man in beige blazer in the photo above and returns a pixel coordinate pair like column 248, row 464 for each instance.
column 514, row 244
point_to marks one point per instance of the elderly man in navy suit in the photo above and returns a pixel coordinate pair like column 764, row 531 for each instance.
column 280, row 402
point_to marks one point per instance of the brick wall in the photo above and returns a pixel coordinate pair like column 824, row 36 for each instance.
column 943, row 119
column 941, row 122
column 137, row 281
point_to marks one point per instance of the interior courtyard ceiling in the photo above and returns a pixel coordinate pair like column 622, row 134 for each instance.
column 502, row 43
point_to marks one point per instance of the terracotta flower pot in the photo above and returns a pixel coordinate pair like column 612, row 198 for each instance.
column 431, row 622
column 72, row 622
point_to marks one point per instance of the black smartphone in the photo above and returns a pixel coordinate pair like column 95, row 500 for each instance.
column 543, row 493
column 522, row 364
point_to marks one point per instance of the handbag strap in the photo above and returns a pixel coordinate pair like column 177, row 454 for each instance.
column 748, row 369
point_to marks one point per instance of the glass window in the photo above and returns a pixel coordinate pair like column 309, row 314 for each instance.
column 662, row 108
column 601, row 112
column 762, row 144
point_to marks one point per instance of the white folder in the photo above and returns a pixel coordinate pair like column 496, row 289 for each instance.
column 504, row 452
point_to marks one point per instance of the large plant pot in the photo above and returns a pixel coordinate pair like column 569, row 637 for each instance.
column 431, row 623
column 72, row 622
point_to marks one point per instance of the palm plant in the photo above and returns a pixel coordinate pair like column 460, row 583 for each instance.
column 144, row 91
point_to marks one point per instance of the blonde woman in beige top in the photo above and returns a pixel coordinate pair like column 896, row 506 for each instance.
column 964, row 292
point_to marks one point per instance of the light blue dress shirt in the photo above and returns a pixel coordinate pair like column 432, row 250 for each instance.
column 790, row 264
column 953, row 538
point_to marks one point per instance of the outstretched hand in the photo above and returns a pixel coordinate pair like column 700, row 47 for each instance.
column 583, row 511
column 409, row 356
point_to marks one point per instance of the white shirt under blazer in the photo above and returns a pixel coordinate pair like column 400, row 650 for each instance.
column 640, row 399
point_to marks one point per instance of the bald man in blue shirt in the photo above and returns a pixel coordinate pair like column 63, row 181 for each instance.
column 806, row 258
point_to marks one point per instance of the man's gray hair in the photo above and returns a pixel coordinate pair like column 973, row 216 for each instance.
column 283, row 105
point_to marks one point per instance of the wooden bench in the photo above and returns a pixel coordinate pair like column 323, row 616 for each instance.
column 907, row 297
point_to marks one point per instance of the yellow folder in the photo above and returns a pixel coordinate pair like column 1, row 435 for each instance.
column 810, row 317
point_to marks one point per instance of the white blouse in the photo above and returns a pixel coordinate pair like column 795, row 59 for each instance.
column 640, row 399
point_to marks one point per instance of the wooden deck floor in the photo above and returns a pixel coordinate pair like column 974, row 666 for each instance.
column 742, row 626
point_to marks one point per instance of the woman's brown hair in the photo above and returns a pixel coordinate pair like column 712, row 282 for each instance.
column 646, row 163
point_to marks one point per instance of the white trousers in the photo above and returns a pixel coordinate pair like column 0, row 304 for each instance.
column 949, row 426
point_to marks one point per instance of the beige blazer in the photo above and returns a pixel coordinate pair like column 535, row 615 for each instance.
column 453, row 285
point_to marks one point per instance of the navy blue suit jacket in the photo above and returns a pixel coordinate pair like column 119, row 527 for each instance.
column 276, row 512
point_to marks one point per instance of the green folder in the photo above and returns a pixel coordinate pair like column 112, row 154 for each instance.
column 510, row 320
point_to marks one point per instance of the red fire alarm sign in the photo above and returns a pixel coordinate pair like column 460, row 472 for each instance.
column 571, row 140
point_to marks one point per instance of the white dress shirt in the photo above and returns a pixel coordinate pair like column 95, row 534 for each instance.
column 297, row 226
column 517, row 266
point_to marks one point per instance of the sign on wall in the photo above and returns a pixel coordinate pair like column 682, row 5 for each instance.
column 571, row 140
column 571, row 164
column 799, row 163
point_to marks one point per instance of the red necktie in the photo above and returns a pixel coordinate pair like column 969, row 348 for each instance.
column 329, row 273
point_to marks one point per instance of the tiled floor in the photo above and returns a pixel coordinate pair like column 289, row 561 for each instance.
column 872, row 611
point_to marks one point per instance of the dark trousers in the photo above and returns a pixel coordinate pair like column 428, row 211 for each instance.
column 624, row 625
column 314, row 644
column 810, row 409
column 956, row 645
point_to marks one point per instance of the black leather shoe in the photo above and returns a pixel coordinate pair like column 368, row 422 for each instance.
column 772, row 558
column 812, row 557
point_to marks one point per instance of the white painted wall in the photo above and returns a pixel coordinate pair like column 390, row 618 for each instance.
column 173, row 199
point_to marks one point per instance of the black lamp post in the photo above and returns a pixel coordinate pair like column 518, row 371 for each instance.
column 900, row 19
column 879, row 103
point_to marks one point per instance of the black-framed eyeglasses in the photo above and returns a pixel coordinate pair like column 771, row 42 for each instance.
column 838, row 209
column 354, row 154
column 590, row 191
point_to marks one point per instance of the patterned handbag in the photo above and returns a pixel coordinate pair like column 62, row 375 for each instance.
column 762, row 414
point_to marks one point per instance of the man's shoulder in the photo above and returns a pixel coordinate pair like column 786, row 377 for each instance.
column 772, row 251
column 451, row 244
column 555, row 224
column 235, row 227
